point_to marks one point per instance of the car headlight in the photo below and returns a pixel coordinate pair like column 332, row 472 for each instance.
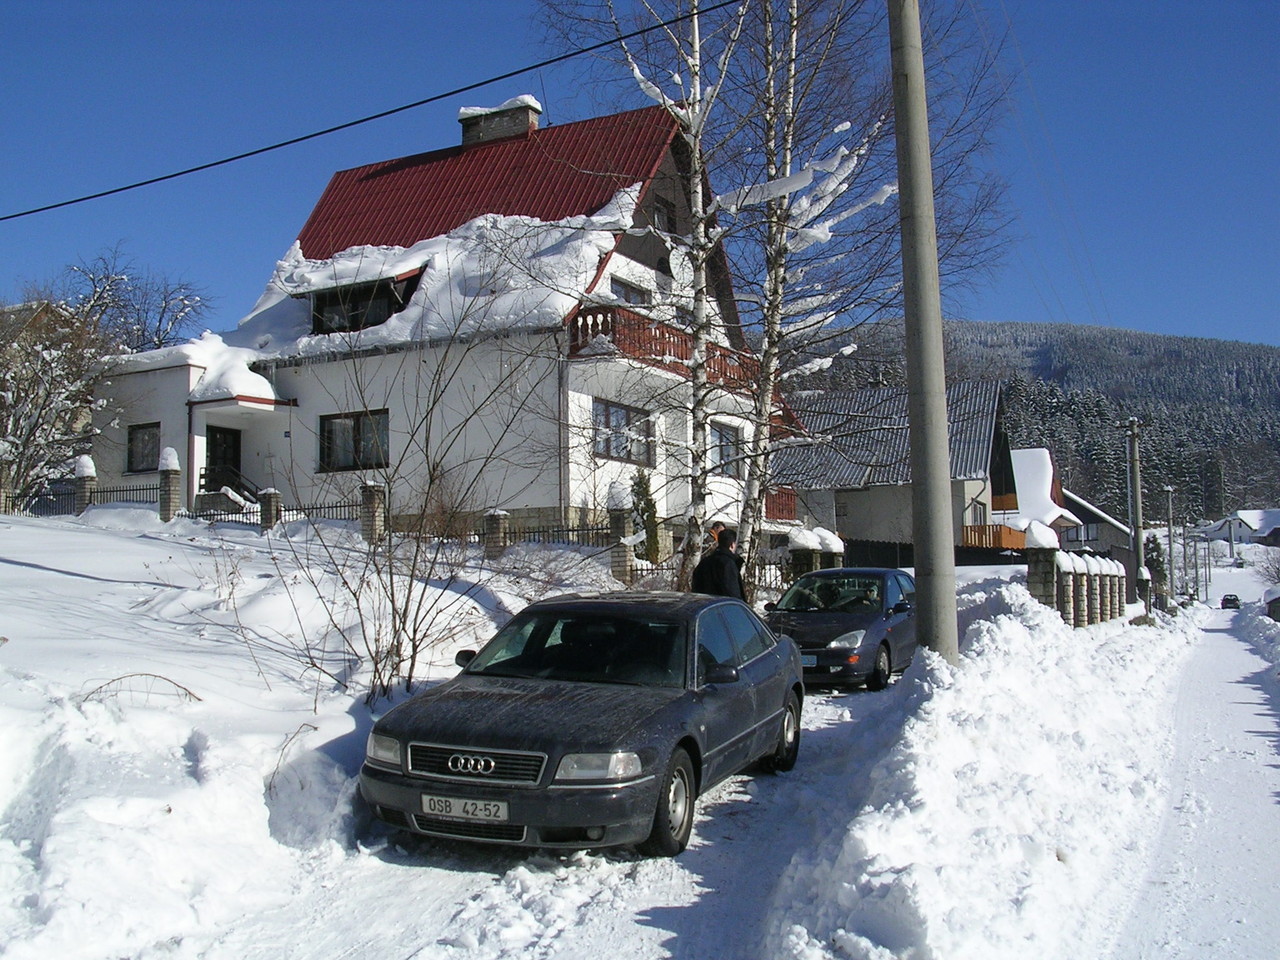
column 598, row 766
column 383, row 750
column 851, row 639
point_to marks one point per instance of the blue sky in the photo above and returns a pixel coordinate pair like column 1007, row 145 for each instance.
column 1142, row 145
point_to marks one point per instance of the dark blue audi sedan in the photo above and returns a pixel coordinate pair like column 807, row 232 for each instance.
column 854, row 625
column 590, row 721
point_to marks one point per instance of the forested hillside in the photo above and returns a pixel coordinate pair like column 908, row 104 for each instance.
column 1210, row 409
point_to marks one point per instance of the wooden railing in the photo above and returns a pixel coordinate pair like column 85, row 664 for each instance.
column 993, row 536
column 780, row 504
column 660, row 344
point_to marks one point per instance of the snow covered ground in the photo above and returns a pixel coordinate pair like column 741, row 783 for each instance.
column 174, row 783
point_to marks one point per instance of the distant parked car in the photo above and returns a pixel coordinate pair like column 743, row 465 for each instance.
column 853, row 625
column 1230, row 601
column 590, row 721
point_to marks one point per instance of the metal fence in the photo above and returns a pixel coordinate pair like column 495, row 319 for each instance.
column 573, row 536
column 322, row 511
column 149, row 494
column 51, row 502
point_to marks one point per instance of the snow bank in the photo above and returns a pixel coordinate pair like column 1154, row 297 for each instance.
column 992, row 827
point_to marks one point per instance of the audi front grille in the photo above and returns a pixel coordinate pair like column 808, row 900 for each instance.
column 491, row 832
column 473, row 765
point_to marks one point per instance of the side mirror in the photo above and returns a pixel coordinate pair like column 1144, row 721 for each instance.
column 722, row 673
column 464, row 657
column 902, row 606
column 770, row 606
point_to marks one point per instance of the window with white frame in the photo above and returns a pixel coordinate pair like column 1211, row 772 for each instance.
column 620, row 432
column 144, row 448
column 354, row 441
column 725, row 450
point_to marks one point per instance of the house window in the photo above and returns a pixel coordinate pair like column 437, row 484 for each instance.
column 354, row 441
column 664, row 215
column 629, row 292
column 347, row 309
column 622, row 433
column 725, row 450
column 1081, row 534
column 144, row 448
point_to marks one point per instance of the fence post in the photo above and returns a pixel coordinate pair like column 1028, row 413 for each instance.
column 804, row 560
column 86, row 482
column 495, row 533
column 170, row 493
column 373, row 512
column 269, row 502
column 6, row 501
column 1042, row 574
column 622, row 556
column 1066, row 567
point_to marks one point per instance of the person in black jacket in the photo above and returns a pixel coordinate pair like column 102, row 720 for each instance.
column 719, row 573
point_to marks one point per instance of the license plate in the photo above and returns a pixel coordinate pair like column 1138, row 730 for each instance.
column 808, row 660
column 456, row 808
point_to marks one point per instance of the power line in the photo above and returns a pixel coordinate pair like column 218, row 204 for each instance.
column 369, row 119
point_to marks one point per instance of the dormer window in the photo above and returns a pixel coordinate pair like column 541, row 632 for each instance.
column 361, row 305
column 629, row 292
column 664, row 215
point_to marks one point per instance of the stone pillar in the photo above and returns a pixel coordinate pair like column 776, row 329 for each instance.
column 622, row 556
column 496, row 525
column 373, row 512
column 86, row 487
column 1093, row 573
column 804, row 561
column 6, row 501
column 170, row 494
column 1042, row 575
column 270, row 504
column 1080, row 581
column 1065, row 565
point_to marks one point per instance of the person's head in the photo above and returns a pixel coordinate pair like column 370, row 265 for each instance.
column 715, row 528
column 726, row 539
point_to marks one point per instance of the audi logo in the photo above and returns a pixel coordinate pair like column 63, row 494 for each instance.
column 470, row 763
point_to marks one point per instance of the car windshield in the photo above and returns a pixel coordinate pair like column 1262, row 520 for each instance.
column 564, row 645
column 851, row 594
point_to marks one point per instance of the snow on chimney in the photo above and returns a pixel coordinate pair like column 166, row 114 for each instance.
column 516, row 117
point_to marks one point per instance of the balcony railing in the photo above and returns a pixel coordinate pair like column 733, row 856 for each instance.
column 661, row 344
column 993, row 536
column 780, row 504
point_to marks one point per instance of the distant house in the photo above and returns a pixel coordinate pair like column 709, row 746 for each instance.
column 1247, row 526
column 1271, row 601
column 852, row 473
column 1098, row 533
column 502, row 324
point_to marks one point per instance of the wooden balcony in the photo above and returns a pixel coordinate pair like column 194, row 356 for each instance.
column 780, row 504
column 659, row 344
column 993, row 536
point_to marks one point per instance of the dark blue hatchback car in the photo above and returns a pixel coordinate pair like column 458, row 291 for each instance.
column 590, row 721
column 853, row 625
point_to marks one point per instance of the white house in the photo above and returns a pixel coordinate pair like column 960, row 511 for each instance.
column 1247, row 526
column 499, row 324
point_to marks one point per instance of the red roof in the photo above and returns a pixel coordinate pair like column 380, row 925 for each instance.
column 549, row 174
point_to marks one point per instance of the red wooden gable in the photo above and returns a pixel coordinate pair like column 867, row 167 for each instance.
column 549, row 174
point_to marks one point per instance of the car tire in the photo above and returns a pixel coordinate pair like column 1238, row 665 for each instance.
column 673, row 818
column 784, row 754
column 879, row 677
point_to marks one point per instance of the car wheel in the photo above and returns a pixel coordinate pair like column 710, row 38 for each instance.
column 784, row 754
column 673, row 818
column 879, row 678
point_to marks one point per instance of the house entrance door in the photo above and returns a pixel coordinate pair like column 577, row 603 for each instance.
column 223, row 462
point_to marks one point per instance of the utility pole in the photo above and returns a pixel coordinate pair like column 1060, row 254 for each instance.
column 931, row 525
column 1168, row 489
column 1132, row 431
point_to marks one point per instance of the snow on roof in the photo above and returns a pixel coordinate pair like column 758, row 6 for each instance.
column 524, row 100
column 493, row 274
column 1271, row 593
column 1262, row 522
column 1033, row 479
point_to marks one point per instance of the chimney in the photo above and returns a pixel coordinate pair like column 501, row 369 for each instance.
column 517, row 117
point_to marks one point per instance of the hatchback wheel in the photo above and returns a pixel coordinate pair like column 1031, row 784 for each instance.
column 879, row 678
column 673, row 818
